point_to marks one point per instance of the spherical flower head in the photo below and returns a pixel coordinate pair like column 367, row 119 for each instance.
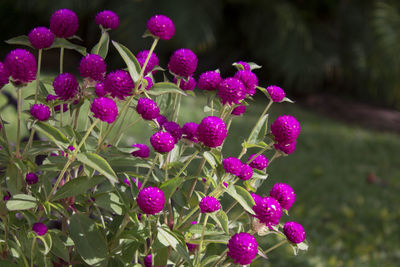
column 246, row 172
column 276, row 93
column 65, row 86
column 93, row 66
column 211, row 131
column 147, row 108
column 149, row 82
column 40, row 112
column 189, row 131
column 7, row 196
column 249, row 79
column 294, row 232
column 99, row 90
column 286, row 148
column 187, row 86
column 148, row 262
column 162, row 142
column 192, row 247
column 161, row 120
column 153, row 60
column 232, row 165
column 268, row 211
column 104, row 109
column 285, row 129
column 71, row 148
column 209, row 80
column 31, row 178
column 119, row 84
column 41, row 37
column 239, row 110
column 39, row 228
column 143, row 151
column 256, row 197
column 259, row 163
column 21, row 65
column 183, row 62
column 57, row 108
column 64, row 23
column 209, row 204
column 4, row 75
column 243, row 248
column 108, row 19
column 174, row 129
column 284, row 194
column 243, row 65
column 151, row 200
column 135, row 181
column 161, row 26
column 231, row 90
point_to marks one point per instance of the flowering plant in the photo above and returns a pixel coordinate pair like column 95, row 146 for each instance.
column 75, row 196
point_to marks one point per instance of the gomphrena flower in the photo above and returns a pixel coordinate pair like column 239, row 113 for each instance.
column 39, row 228
column 119, row 84
column 41, row 37
column 209, row 204
column 50, row 98
column 147, row 108
column 249, row 79
column 153, row 60
column 104, row 109
column 284, row 194
column 161, row 120
column 135, row 181
column 209, row 80
column 276, row 93
column 4, row 75
column 285, row 129
column 162, row 142
column 187, row 86
column 192, row 247
column 7, row 196
column 259, row 163
column 174, row 129
column 71, row 148
column 183, row 62
column 232, row 165
column 31, row 178
column 161, row 26
column 108, row 19
column 189, row 131
column 243, row 65
column 286, row 148
column 256, row 197
column 93, row 66
column 148, row 262
column 231, row 90
column 21, row 65
column 243, row 248
column 99, row 90
column 246, row 172
column 64, row 23
column 268, row 211
column 65, row 86
column 151, row 200
column 143, row 151
column 40, row 112
column 239, row 110
column 211, row 131
column 294, row 232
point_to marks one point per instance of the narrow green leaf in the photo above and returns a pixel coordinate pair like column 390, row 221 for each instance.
column 242, row 196
column 220, row 239
column 260, row 130
column 21, row 202
column 210, row 229
column 285, row 99
column 47, row 242
column 254, row 66
column 101, row 48
column 13, row 179
column 170, row 186
column 77, row 186
column 99, row 164
column 20, row 40
column 207, row 261
column 165, row 88
column 221, row 219
column 61, row 42
column 130, row 60
column 53, row 134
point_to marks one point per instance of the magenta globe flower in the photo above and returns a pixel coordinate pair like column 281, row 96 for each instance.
column 268, row 211
column 239, row 110
column 107, row 19
column 40, row 112
column 284, row 194
column 209, row 204
column 192, row 247
column 151, row 200
column 119, row 84
column 285, row 129
column 183, row 62
column 232, row 165
column 189, row 131
column 187, row 86
column 162, row 142
column 246, row 172
column 249, row 79
column 231, row 90
column 135, row 181
column 143, row 151
column 161, row 120
column 286, row 148
column 174, row 129
column 243, row 248
column 65, row 86
column 104, row 109
column 259, row 163
column 161, row 26
column 4, row 75
column 153, row 60
column 147, row 108
column 256, row 198
column 243, row 65
column 209, row 80
column 21, row 65
column 276, row 93
column 41, row 37
column 99, row 90
column 211, row 131
column 93, row 66
column 64, row 23
column 294, row 232
column 39, row 228
column 31, row 178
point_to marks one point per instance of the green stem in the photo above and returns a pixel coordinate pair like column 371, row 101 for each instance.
column 276, row 246
column 177, row 105
column 187, row 217
column 220, row 258
column 28, row 145
column 32, row 250
column 259, row 119
column 187, row 163
column 3, row 130
column 197, row 261
column 20, row 250
column 61, row 114
column 19, row 104
column 76, row 118
column 150, row 171
column 38, row 74
column 103, row 33
column 61, row 59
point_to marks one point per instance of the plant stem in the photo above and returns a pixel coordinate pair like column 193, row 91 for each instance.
column 276, row 246
column 61, row 59
column 197, row 260
column 28, row 145
column 187, row 164
column 150, row 171
column 19, row 104
column 187, row 217
column 259, row 119
column 38, row 74
column 3, row 130
column 32, row 250
column 20, row 250
column 220, row 258
column 76, row 118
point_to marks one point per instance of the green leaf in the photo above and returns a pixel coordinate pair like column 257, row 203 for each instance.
column 207, row 261
column 210, row 229
column 165, row 88
column 77, row 186
column 285, row 99
column 220, row 239
column 21, row 202
column 130, row 60
column 170, row 186
column 89, row 241
column 47, row 242
column 160, row 257
column 99, row 164
column 260, row 130
column 4, row 263
column 20, row 40
column 101, row 48
column 221, row 219
column 254, row 66
column 302, row 246
column 61, row 42
column 242, row 196
column 53, row 134
column 13, row 179
column 110, row 202
column 210, row 159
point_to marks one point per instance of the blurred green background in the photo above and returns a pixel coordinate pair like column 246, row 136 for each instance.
column 347, row 178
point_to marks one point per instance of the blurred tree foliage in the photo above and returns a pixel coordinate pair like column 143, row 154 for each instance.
column 348, row 47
